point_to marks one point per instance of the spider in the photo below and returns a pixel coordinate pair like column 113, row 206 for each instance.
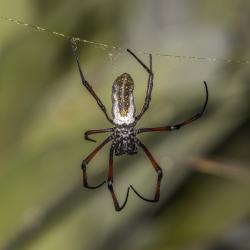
column 124, row 134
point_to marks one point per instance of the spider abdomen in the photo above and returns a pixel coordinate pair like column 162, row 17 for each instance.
column 124, row 141
column 123, row 108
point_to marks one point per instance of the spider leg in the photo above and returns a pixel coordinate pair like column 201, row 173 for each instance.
column 179, row 125
column 96, row 131
column 157, row 169
column 85, row 82
column 86, row 161
column 149, row 86
column 148, row 69
column 118, row 207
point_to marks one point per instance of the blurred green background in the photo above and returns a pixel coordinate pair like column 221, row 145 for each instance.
column 44, row 111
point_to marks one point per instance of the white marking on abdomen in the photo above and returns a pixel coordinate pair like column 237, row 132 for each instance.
column 129, row 118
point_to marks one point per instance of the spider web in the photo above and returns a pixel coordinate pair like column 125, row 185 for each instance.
column 116, row 51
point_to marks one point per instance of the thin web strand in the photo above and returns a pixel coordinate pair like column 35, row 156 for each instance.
column 123, row 50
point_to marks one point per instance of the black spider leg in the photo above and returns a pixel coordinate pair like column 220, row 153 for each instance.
column 118, row 207
column 157, row 169
column 85, row 82
column 179, row 125
column 149, row 86
column 86, row 161
column 96, row 131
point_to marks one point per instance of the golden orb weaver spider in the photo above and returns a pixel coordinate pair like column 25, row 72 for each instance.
column 123, row 137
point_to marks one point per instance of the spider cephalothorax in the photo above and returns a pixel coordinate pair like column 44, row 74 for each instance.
column 124, row 140
column 124, row 134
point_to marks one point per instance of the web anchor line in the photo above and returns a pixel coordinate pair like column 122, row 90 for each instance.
column 123, row 50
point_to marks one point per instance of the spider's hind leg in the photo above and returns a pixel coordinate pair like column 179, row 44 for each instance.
column 159, row 175
column 86, row 83
column 149, row 85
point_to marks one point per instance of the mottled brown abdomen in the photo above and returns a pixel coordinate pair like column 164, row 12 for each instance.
column 123, row 108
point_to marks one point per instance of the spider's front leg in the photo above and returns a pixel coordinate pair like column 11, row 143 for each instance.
column 86, row 161
column 96, row 131
column 157, row 169
column 118, row 207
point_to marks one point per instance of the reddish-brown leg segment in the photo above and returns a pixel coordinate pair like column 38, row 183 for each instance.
column 110, row 184
column 88, row 159
column 157, row 169
column 179, row 125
